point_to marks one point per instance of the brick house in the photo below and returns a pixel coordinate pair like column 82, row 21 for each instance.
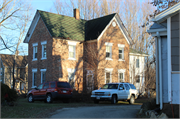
column 86, row 53
column 20, row 72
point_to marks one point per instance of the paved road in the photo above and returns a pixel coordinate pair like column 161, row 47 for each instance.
column 116, row 111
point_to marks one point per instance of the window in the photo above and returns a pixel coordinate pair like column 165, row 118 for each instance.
column 121, row 76
column 34, row 77
column 63, row 85
column 121, row 86
column 40, row 86
column 43, row 75
column 35, row 49
column 46, row 85
column 44, row 49
column 71, row 75
column 137, row 63
column 121, row 51
column 72, row 50
column 127, row 86
column 137, row 79
column 132, row 86
column 108, row 75
column 1, row 71
column 21, row 85
column 108, row 50
column 53, row 85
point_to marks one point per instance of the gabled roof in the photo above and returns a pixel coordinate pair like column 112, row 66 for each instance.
column 8, row 60
column 95, row 27
column 65, row 27
column 167, row 13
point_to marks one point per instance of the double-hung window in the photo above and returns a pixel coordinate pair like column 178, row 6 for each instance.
column 72, row 50
column 108, row 75
column 108, row 50
column 137, row 63
column 121, row 51
column 121, row 75
column 34, row 77
column 35, row 50
column 44, row 48
column 43, row 75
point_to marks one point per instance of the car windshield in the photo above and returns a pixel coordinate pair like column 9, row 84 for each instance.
column 110, row 86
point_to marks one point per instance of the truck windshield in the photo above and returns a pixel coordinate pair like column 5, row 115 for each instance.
column 110, row 86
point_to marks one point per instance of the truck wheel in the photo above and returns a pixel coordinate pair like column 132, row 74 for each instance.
column 113, row 99
column 132, row 100
column 96, row 101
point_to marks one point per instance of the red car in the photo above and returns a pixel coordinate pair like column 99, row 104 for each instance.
column 50, row 91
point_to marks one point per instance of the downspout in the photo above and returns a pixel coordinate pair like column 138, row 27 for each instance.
column 157, row 72
column 160, row 71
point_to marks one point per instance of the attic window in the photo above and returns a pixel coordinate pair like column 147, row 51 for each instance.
column 114, row 24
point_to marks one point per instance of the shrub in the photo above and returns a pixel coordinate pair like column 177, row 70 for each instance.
column 8, row 94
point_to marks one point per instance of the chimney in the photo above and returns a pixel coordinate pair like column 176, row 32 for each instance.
column 76, row 14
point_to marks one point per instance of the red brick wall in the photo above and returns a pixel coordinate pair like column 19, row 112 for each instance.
column 40, row 34
column 115, row 36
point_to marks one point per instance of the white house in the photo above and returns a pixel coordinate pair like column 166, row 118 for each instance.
column 166, row 32
column 136, row 69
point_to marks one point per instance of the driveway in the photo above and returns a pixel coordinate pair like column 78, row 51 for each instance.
column 113, row 111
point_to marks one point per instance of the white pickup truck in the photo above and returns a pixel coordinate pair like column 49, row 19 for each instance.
column 114, row 92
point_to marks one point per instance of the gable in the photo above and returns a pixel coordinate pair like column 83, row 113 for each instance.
column 121, row 27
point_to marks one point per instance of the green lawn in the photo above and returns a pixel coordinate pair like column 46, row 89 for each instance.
column 39, row 109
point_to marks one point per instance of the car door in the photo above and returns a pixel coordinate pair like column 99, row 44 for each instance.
column 37, row 94
column 43, row 91
column 121, row 92
column 127, row 91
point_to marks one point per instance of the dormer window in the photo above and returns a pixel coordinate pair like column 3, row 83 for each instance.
column 44, row 52
column 35, row 49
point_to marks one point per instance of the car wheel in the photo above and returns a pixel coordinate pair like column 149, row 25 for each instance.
column 132, row 100
column 96, row 101
column 49, row 98
column 113, row 99
column 30, row 98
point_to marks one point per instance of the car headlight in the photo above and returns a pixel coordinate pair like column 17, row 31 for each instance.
column 107, row 93
column 93, row 93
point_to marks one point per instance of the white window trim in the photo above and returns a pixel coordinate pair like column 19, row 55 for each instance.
column 42, row 70
column 108, row 70
column 34, row 45
column 42, row 44
column 121, row 71
column 121, row 46
column 109, row 44
column 33, row 71
column 72, row 44
column 70, row 70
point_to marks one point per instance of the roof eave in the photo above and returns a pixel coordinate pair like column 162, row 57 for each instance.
column 167, row 13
